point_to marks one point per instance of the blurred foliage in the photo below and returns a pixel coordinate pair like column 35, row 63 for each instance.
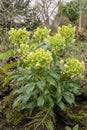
column 71, row 10
column 76, row 127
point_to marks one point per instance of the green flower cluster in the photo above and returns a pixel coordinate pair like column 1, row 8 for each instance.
column 41, row 35
column 24, row 49
column 74, row 68
column 38, row 59
column 68, row 32
column 19, row 36
column 57, row 42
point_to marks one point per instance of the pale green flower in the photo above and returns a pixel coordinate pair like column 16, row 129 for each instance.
column 20, row 36
column 68, row 32
column 57, row 42
column 41, row 35
column 74, row 68
column 39, row 59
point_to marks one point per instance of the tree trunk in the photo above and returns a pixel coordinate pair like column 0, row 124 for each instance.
column 80, row 17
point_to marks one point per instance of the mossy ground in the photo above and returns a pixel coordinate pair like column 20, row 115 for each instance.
column 10, row 117
column 78, row 115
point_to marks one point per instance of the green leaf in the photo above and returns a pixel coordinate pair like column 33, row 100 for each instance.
column 46, row 91
column 17, row 101
column 27, row 89
column 20, row 79
column 59, row 93
column 49, row 125
column 15, row 75
column 22, row 70
column 61, row 105
column 45, row 47
column 8, row 66
column 68, row 128
column 75, row 88
column 51, row 101
column 26, row 98
column 54, row 57
column 29, row 77
column 7, row 80
column 30, row 88
column 69, row 97
column 76, row 127
column 19, row 91
column 7, row 54
column 40, row 101
column 31, row 107
column 41, row 84
column 54, row 74
column 51, row 80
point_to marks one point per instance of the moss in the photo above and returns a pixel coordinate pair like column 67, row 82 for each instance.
column 7, row 113
column 12, row 115
column 78, row 115
column 78, row 119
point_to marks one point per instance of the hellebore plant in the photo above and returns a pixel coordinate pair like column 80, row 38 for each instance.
column 45, row 79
